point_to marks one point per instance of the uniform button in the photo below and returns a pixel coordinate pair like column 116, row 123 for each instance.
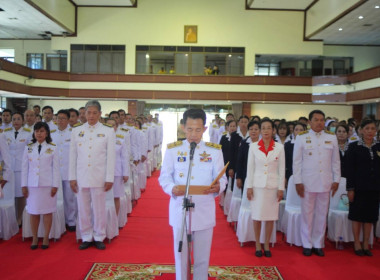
column 89, row 155
column 192, row 164
column 91, row 130
column 90, row 147
column 265, row 173
column 90, row 138
column 265, row 164
column 37, row 173
column 320, row 171
column 192, row 177
column 89, row 165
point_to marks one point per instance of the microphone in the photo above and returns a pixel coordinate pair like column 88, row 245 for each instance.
column 192, row 148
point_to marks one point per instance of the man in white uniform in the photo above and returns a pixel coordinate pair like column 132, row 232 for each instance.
column 91, row 174
column 47, row 114
column 62, row 137
column 6, row 119
column 207, row 164
column 316, row 172
column 29, row 119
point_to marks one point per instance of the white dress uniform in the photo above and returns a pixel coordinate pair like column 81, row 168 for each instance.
column 16, row 149
column 213, row 132
column 62, row 139
column 266, row 175
column 121, row 163
column 5, row 158
column 92, row 163
column 316, row 165
column 141, row 167
column 52, row 126
column 40, row 173
column 207, row 164
column 4, row 126
column 134, row 142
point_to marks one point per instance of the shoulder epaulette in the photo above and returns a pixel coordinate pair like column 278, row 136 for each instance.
column 30, row 144
column 225, row 133
column 124, row 129
column 129, row 124
column 77, row 124
column 120, row 136
column 53, row 130
column 353, row 138
column 213, row 145
column 51, row 143
column 106, row 124
column 174, row 144
column 8, row 129
column 329, row 132
column 144, row 128
column 303, row 132
column 55, row 123
column 27, row 129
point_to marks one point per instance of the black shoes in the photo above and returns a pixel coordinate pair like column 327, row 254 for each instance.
column 267, row 254
column 99, row 245
column 258, row 253
column 85, row 245
column 359, row 252
column 319, row 252
column 71, row 228
column 33, row 247
column 44, row 247
column 367, row 253
column 306, row 252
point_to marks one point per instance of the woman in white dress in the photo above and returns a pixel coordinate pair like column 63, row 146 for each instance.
column 265, row 183
column 40, row 179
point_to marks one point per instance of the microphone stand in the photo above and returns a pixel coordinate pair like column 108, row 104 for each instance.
column 187, row 205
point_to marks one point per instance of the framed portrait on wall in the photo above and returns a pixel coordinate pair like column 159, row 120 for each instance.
column 191, row 34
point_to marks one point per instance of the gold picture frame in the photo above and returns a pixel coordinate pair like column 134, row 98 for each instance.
column 191, row 34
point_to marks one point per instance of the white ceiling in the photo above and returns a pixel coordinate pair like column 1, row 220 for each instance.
column 19, row 20
column 355, row 31
column 279, row 4
column 120, row 3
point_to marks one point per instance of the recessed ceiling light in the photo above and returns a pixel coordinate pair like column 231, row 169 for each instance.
column 340, row 29
column 360, row 17
column 377, row 7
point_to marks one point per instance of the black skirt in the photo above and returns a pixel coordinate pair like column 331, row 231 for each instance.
column 365, row 207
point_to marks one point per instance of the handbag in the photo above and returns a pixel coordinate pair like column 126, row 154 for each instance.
column 343, row 202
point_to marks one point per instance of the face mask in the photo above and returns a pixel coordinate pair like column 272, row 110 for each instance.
column 332, row 129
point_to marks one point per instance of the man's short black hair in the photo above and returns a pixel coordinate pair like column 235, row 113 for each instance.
column 37, row 106
column 65, row 112
column 114, row 112
column 319, row 112
column 230, row 114
column 121, row 111
column 7, row 110
column 73, row 110
column 48, row 107
column 82, row 108
column 194, row 114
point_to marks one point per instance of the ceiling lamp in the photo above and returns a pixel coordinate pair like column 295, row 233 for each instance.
column 360, row 17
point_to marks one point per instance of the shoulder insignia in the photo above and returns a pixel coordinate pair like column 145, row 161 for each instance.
column 108, row 125
column 144, row 128
column 53, row 130
column 174, row 144
column 8, row 129
column 27, row 129
column 213, row 145
column 214, row 126
column 51, row 143
column 120, row 136
column 329, row 132
column 124, row 129
column 225, row 133
column 77, row 124
column 303, row 132
column 353, row 138
column 55, row 123
column 30, row 144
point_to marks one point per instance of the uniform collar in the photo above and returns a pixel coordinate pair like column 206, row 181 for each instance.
column 316, row 133
column 67, row 128
column 199, row 145
column 92, row 126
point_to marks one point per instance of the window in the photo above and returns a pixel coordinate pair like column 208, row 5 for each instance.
column 35, row 60
column 105, row 59
column 7, row 54
column 267, row 69
column 185, row 60
column 56, row 61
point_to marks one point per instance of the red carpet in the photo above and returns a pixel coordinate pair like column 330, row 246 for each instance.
column 147, row 238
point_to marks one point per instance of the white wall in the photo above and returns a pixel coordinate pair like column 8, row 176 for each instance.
column 294, row 111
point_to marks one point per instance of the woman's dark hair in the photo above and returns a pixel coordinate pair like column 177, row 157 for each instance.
column 229, row 122
column 252, row 123
column 194, row 114
column 345, row 127
column 255, row 117
column 267, row 120
column 367, row 121
column 18, row 113
column 301, row 124
column 40, row 125
column 243, row 117
column 138, row 123
column 283, row 124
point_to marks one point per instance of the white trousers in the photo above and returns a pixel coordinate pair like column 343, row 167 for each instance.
column 314, row 209
column 202, row 240
column 92, row 220
column 70, row 204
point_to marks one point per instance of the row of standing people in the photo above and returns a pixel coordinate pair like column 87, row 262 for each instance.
column 40, row 158
column 258, row 162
